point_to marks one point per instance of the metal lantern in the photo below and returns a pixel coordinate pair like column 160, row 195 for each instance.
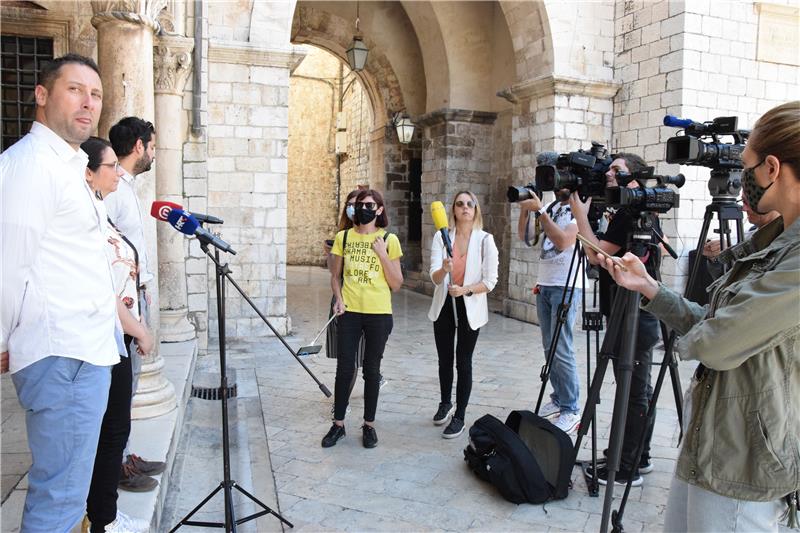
column 357, row 54
column 405, row 129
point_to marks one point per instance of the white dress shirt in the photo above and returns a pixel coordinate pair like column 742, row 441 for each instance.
column 57, row 293
column 125, row 212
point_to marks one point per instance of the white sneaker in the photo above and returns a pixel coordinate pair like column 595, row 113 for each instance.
column 125, row 524
column 568, row 422
column 549, row 410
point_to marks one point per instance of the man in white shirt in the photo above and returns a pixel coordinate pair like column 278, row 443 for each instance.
column 559, row 228
column 58, row 325
column 134, row 142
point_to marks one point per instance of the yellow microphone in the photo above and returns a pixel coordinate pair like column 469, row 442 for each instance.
column 439, row 215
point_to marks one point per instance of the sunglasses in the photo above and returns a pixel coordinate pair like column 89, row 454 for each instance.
column 115, row 164
column 468, row 203
column 367, row 205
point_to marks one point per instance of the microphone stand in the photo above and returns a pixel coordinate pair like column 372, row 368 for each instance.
column 222, row 272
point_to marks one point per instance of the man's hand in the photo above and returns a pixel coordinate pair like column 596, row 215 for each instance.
column 144, row 343
column 532, row 204
column 578, row 207
column 3, row 362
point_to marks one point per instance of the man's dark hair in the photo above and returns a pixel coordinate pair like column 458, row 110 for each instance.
column 634, row 162
column 124, row 134
column 50, row 70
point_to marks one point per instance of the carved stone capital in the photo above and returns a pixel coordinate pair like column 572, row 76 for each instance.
column 144, row 12
column 172, row 64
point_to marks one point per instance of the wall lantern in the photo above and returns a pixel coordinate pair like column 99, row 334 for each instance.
column 357, row 53
column 404, row 127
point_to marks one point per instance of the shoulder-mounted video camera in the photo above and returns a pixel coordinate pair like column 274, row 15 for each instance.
column 658, row 199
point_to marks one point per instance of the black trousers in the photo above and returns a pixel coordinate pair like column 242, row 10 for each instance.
column 101, row 504
column 376, row 330
column 641, row 393
column 446, row 335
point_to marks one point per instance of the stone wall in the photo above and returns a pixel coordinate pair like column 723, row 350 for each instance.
column 319, row 178
column 699, row 60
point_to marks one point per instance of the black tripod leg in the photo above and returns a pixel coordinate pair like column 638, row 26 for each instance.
column 267, row 509
column 624, row 372
column 185, row 520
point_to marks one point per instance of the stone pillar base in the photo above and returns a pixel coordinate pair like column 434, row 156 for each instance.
column 175, row 327
column 155, row 395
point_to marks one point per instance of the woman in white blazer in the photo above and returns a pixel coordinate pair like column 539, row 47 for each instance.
column 461, row 285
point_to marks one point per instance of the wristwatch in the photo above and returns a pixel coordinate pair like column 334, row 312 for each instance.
column 470, row 293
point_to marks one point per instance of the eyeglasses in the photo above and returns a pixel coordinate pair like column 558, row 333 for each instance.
column 468, row 203
column 367, row 205
column 115, row 164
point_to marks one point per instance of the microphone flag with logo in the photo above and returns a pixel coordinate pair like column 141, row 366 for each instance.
column 186, row 223
column 160, row 209
column 439, row 215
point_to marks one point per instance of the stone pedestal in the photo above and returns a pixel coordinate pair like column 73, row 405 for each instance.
column 125, row 32
column 172, row 63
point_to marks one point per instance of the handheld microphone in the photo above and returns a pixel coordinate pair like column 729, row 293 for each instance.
column 187, row 224
column 440, row 222
column 161, row 209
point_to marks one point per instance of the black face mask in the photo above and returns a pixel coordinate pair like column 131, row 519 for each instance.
column 364, row 215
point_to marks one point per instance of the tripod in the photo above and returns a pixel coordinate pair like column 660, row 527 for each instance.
column 623, row 325
column 726, row 210
column 222, row 272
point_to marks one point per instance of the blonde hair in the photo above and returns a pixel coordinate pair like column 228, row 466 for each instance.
column 477, row 221
column 777, row 133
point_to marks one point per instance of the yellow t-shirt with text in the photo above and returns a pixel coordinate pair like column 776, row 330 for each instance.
column 365, row 289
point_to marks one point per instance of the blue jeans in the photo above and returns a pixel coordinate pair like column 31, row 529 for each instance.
column 563, row 370
column 64, row 401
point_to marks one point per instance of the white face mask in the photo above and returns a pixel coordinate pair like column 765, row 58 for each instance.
column 350, row 211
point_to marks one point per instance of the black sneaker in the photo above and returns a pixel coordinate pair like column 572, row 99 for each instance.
column 369, row 437
column 620, row 480
column 334, row 434
column 454, row 428
column 444, row 412
column 645, row 465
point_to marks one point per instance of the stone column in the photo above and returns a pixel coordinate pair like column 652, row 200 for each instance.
column 125, row 31
column 456, row 155
column 172, row 63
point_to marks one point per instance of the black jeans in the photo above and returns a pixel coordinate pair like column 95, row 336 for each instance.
column 640, row 394
column 376, row 330
column 446, row 334
column 101, row 503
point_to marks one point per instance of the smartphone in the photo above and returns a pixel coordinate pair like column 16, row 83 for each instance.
column 590, row 244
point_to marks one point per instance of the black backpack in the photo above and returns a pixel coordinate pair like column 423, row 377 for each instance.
column 528, row 459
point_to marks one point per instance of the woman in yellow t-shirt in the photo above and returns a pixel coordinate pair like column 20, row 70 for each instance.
column 364, row 271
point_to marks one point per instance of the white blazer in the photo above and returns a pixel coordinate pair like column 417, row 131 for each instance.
column 481, row 267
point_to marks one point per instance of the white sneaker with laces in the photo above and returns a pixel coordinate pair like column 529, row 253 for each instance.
column 549, row 410
column 125, row 524
column 568, row 422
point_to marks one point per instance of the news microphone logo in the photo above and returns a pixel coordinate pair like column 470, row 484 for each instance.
column 180, row 222
column 164, row 211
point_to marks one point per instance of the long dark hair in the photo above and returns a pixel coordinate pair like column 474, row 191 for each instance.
column 94, row 148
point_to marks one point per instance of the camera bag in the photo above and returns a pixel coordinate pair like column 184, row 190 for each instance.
column 528, row 459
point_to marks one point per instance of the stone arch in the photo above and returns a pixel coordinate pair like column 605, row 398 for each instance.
column 529, row 25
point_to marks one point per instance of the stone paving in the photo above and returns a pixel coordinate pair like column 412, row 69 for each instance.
column 414, row 480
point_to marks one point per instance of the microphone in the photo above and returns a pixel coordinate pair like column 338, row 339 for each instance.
column 161, row 209
column 547, row 158
column 188, row 224
column 440, row 221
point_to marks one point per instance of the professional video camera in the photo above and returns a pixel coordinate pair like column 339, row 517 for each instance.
column 582, row 171
column 724, row 159
column 658, row 199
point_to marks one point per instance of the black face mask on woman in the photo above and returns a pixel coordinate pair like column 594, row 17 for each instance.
column 365, row 215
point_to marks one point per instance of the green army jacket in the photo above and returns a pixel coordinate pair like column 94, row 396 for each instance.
column 743, row 439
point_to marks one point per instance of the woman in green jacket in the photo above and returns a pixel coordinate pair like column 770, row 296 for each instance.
column 739, row 466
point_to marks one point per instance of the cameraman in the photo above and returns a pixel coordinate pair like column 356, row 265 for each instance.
column 559, row 229
column 614, row 241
